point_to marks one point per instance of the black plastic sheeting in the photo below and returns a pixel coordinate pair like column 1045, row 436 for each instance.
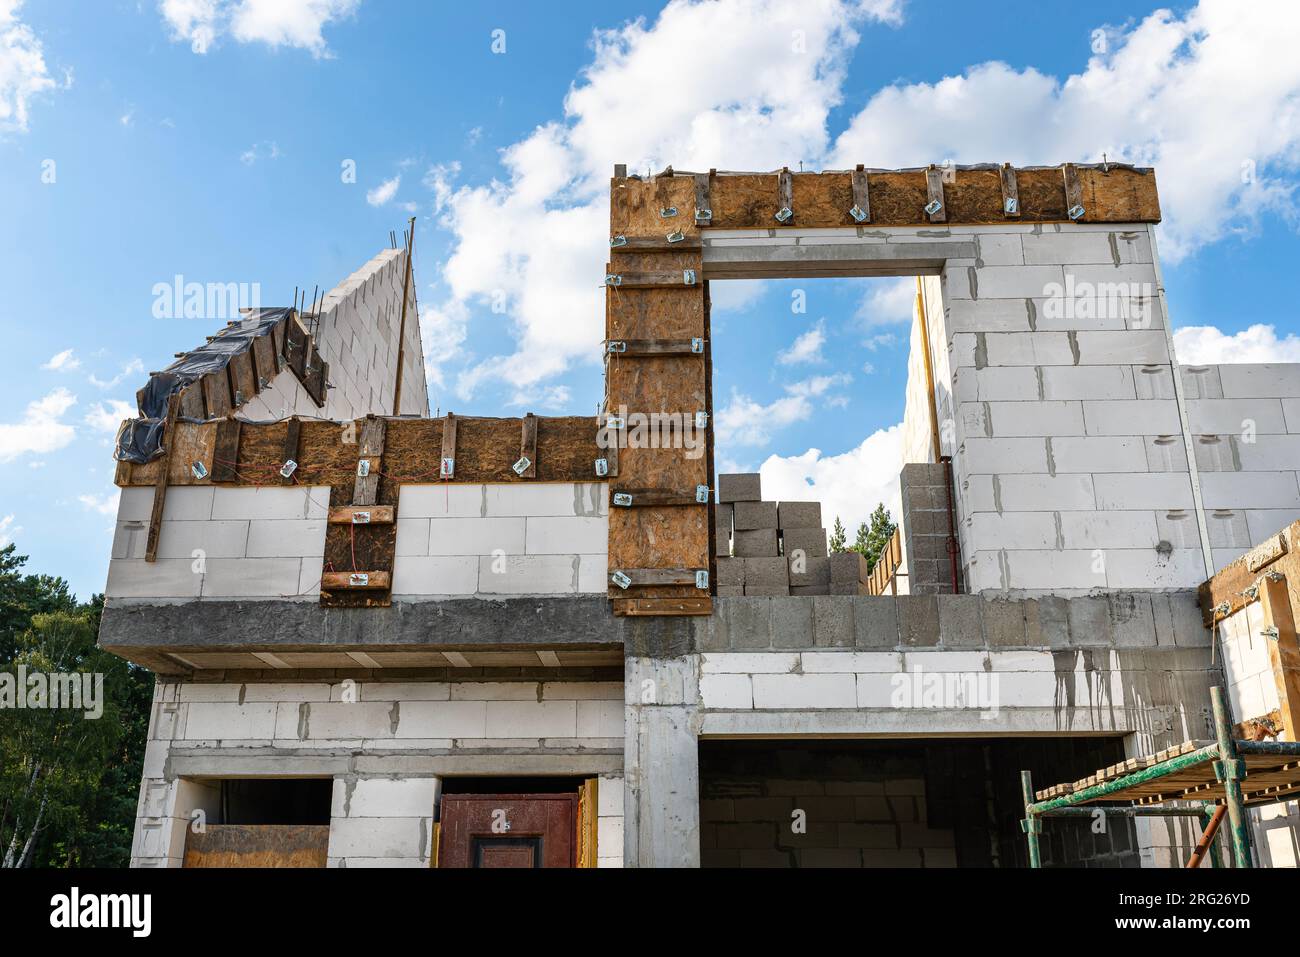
column 140, row 440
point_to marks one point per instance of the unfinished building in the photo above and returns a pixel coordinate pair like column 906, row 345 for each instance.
column 388, row 639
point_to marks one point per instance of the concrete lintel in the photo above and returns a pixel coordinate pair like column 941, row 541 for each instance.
column 784, row 259
column 919, row 722
column 273, row 762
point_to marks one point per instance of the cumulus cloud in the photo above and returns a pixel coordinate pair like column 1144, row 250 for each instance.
column 848, row 486
column 133, row 367
column 745, row 422
column 1209, row 98
column 806, row 348
column 8, row 530
column 41, row 428
column 23, row 73
column 384, row 192
column 108, row 416
column 105, row 504
column 887, row 302
column 291, row 23
column 1206, row 345
column 63, row 361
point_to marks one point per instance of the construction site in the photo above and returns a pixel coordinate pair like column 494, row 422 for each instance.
column 387, row 638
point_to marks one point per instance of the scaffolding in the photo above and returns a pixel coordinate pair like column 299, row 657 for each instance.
column 1210, row 779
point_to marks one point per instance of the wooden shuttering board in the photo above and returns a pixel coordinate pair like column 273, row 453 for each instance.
column 1117, row 194
column 257, row 845
column 670, row 386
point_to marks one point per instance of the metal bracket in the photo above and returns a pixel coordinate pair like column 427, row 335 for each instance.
column 667, row 212
column 358, row 580
column 858, row 213
column 701, row 420
column 784, row 214
column 522, row 465
column 199, row 470
column 703, row 216
column 621, row 580
column 360, row 518
column 1011, row 206
column 1077, row 211
column 1271, row 633
column 613, row 280
column 363, row 468
column 676, row 236
column 1032, row 825
column 688, row 277
column 702, row 579
column 447, row 468
column 617, row 241
column 614, row 422
column 288, row 468
column 617, row 345
column 697, row 346
column 702, row 494
column 623, row 499
column 933, row 206
column 602, row 467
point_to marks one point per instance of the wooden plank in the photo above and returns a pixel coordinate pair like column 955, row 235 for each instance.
column 362, row 515
column 356, row 581
column 257, row 845
column 934, row 194
column 612, row 439
column 588, row 807
column 657, row 576
column 526, row 465
column 447, row 463
column 192, row 406
column 672, row 240
column 295, row 347
column 243, row 381
column 292, row 438
column 651, row 498
column 703, row 204
column 225, row 454
column 277, row 344
column 655, row 347
column 861, row 196
column 366, row 487
column 160, row 485
column 216, row 394
column 1074, row 194
column 314, row 372
column 1283, row 651
column 663, row 606
column 263, row 354
column 1010, row 192
column 785, row 198
column 657, row 279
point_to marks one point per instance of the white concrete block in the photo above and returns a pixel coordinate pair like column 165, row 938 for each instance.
column 1147, row 568
column 443, row 719
column 556, row 498
column 804, row 691
column 286, row 539
column 726, row 691
column 476, row 536
column 988, row 315
column 1244, row 380
column 493, row 691
column 999, row 249
column 998, row 383
column 383, row 797
column 761, row 662
column 1262, row 489
column 533, row 719
column 412, row 536
column 252, row 577
column 593, row 574
column 1269, row 453
column 1236, row 416
column 1043, row 493
column 600, row 719
column 1150, row 491
column 1022, row 419
column 1088, row 382
column 609, row 795
column 837, row 662
column 212, row 539
column 1004, row 455
column 377, row 837
column 136, row 578
column 1014, row 282
column 1132, row 417
column 413, row 575
column 1068, row 249
column 1098, row 454
column 270, row 503
column 1269, row 521
column 226, row 721
column 528, row 575
column 1029, row 349
column 564, row 536
column 442, row 501
column 184, row 503
column 991, row 530
column 1136, row 529
column 1133, row 347
column 1051, row 570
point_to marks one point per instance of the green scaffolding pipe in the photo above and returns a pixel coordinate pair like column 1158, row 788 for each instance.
column 1031, row 825
column 1181, row 763
column 1145, row 810
column 1231, row 770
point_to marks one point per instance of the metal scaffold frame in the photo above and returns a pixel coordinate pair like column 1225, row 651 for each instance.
column 1192, row 777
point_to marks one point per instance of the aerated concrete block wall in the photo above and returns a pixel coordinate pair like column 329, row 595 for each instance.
column 219, row 542
column 357, row 335
column 496, row 540
column 385, row 744
column 1245, row 423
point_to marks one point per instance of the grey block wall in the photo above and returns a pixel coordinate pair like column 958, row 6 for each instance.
column 925, row 524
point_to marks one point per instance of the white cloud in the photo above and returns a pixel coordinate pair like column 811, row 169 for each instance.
column 127, row 118
column 538, row 236
column 1197, row 97
column 887, row 302
column 133, row 367
column 23, row 73
column 259, row 151
column 105, row 504
column 63, row 361
column 41, row 428
column 745, row 422
column 734, row 295
column 291, row 23
column 1206, row 345
column 108, row 416
column 8, row 530
column 806, row 348
column 848, row 485
column 384, row 192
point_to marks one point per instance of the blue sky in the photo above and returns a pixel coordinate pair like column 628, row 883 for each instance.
column 207, row 138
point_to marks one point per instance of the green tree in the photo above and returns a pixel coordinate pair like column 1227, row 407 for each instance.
column 22, row 596
column 837, row 537
column 874, row 536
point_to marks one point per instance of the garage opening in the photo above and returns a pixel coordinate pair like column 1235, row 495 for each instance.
column 258, row 822
column 781, row 803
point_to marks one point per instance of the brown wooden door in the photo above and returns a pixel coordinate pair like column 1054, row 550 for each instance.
column 508, row 830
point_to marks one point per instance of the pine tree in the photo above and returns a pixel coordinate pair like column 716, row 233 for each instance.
column 837, row 537
column 874, row 538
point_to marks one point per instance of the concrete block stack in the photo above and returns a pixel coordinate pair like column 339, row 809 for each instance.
column 776, row 548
